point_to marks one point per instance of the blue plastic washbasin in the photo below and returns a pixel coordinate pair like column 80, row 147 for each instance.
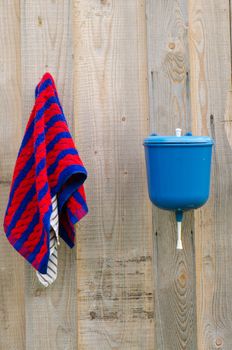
column 178, row 171
column 178, row 175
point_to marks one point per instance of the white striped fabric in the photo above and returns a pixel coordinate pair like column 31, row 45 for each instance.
column 50, row 276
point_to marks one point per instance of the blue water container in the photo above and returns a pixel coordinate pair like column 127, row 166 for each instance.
column 178, row 172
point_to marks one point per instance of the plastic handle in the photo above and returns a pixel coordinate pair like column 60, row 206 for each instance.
column 179, row 218
column 179, row 241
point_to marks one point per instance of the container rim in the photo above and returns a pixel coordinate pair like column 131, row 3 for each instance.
column 178, row 140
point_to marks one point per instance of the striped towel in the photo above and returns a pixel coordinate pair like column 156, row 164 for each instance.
column 47, row 195
column 51, row 274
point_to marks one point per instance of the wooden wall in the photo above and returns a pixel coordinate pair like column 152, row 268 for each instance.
column 123, row 68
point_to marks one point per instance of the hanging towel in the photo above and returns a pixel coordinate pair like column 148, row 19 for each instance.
column 51, row 274
column 47, row 196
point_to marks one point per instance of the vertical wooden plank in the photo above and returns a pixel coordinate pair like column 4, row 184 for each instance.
column 47, row 46
column 115, row 289
column 168, row 67
column 209, row 40
column 12, row 318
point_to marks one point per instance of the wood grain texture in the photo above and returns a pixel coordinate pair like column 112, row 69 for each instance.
column 115, row 289
column 136, row 65
column 174, row 275
column 12, row 316
column 47, row 46
column 210, row 53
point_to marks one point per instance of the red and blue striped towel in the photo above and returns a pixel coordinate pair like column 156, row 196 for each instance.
column 48, row 165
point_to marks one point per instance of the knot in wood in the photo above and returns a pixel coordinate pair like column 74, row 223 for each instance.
column 219, row 342
column 172, row 46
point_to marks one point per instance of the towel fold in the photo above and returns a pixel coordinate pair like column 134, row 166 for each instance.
column 48, row 166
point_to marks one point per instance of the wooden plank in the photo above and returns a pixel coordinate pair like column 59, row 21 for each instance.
column 47, row 46
column 210, row 85
column 168, row 67
column 12, row 317
column 115, row 288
